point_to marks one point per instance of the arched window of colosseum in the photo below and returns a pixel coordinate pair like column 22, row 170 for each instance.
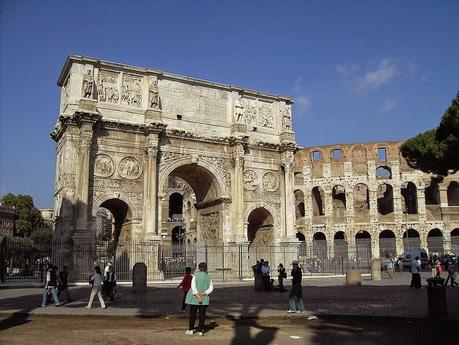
column 361, row 197
column 410, row 198
column 178, row 240
column 336, row 154
column 317, row 195
column 455, row 241
column 411, row 240
column 432, row 194
column 175, row 206
column 298, row 179
column 339, row 202
column 387, row 244
column 319, row 245
column 302, row 247
column 435, row 241
column 383, row 172
column 453, row 194
column 118, row 221
column 385, row 196
column 363, row 248
column 340, row 245
column 299, row 204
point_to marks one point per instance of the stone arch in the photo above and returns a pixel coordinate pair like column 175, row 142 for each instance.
column 122, row 215
column 340, row 245
column 260, row 231
column 319, row 245
column 385, row 197
column 299, row 204
column 432, row 192
column 411, row 240
column 410, row 198
column 317, row 195
column 363, row 248
column 455, row 241
column 387, row 243
column 361, row 197
column 215, row 177
column 383, row 172
column 175, row 205
column 453, row 193
column 302, row 239
column 208, row 185
column 435, row 241
column 339, row 201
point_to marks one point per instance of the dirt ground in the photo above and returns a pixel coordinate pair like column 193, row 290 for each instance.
column 25, row 329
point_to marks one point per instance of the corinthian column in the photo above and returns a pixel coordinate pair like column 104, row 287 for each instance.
column 289, row 233
column 238, row 194
column 150, row 189
column 86, row 122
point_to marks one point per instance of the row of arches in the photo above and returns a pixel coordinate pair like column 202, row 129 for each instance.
column 384, row 198
column 321, row 246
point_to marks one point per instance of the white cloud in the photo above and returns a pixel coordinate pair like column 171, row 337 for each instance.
column 383, row 74
column 388, row 104
column 347, row 70
column 302, row 100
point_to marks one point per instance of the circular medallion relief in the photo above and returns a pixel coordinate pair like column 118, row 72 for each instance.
column 130, row 168
column 103, row 166
column 270, row 181
column 250, row 179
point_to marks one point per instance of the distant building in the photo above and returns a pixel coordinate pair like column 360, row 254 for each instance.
column 8, row 216
column 48, row 219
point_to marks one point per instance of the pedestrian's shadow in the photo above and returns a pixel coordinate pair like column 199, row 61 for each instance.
column 242, row 327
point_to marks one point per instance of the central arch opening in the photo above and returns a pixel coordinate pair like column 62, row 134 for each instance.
column 260, row 229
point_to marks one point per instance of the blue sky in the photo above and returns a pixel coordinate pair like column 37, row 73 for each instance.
column 359, row 70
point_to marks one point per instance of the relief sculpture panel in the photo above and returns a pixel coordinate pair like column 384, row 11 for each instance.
column 108, row 87
column 270, row 181
column 103, row 166
column 210, row 223
column 131, row 93
column 250, row 179
column 129, row 168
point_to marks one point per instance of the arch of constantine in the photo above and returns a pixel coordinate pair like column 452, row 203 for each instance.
column 183, row 161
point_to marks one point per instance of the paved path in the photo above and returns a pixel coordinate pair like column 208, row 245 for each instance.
column 389, row 298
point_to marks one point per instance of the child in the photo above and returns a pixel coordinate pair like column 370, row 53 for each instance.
column 186, row 285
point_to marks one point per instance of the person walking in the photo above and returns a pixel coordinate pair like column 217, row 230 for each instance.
column 265, row 272
column 451, row 274
column 64, row 284
column 281, row 274
column 186, row 285
column 295, row 297
column 50, row 286
column 198, row 298
column 391, row 268
column 109, row 285
column 96, row 282
column 416, row 273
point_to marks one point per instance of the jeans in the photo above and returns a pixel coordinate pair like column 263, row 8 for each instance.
column 295, row 298
column 202, row 316
column 96, row 290
column 49, row 289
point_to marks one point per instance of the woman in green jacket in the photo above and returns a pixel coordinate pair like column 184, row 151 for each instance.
column 198, row 298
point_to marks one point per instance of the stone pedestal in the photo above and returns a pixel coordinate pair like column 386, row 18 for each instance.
column 353, row 277
column 139, row 278
column 376, row 269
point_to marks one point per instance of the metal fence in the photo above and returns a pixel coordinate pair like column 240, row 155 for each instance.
column 25, row 260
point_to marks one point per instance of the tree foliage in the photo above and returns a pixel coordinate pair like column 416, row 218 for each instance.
column 28, row 215
column 437, row 150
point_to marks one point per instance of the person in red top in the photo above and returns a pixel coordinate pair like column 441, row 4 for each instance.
column 186, row 285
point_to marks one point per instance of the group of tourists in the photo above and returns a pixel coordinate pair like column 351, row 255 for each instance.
column 56, row 285
column 437, row 267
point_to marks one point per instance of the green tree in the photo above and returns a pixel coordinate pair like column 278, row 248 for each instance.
column 437, row 150
column 28, row 215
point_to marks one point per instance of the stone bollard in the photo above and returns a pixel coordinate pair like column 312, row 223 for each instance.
column 139, row 278
column 353, row 277
column 376, row 269
column 436, row 297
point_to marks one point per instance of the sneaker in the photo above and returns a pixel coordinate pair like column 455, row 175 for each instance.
column 290, row 311
column 200, row 333
column 104, row 307
column 188, row 332
column 300, row 311
column 43, row 306
column 87, row 307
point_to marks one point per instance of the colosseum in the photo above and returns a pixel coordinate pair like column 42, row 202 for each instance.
column 366, row 196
